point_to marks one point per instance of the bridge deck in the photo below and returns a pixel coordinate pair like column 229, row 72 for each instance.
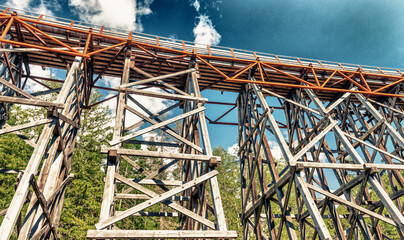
column 53, row 42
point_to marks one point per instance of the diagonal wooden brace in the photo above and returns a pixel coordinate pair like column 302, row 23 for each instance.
column 44, row 205
column 154, row 200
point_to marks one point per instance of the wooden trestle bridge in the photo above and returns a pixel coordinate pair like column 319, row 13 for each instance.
column 343, row 147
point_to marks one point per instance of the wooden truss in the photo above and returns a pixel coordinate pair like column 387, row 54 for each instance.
column 341, row 172
column 52, row 151
column 184, row 193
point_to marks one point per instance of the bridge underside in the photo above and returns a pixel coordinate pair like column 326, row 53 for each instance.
column 341, row 173
column 338, row 129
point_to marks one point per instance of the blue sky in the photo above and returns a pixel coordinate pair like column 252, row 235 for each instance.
column 366, row 32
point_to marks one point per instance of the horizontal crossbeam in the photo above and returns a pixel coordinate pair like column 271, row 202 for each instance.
column 160, row 234
column 143, row 153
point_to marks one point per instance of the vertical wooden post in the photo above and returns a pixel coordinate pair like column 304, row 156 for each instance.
column 107, row 206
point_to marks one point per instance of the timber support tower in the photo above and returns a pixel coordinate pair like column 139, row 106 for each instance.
column 338, row 128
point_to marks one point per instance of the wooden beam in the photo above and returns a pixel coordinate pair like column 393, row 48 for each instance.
column 23, row 137
column 157, row 199
column 314, row 140
column 171, row 96
column 146, row 197
column 348, row 166
column 268, row 194
column 374, row 147
column 377, row 187
column 169, row 203
column 158, row 182
column 153, row 214
column 16, row 89
column 143, row 153
column 44, row 205
column 153, row 79
column 307, row 198
column 312, row 208
column 352, row 205
column 160, row 234
column 46, row 92
column 166, row 129
column 31, row 102
column 155, row 126
column 107, row 204
column 159, row 81
column 24, row 126
column 214, row 184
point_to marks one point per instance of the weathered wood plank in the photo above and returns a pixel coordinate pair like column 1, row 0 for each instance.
column 314, row 140
column 155, row 126
column 17, row 89
column 109, row 189
column 158, row 182
column 170, row 96
column 160, row 234
column 167, row 130
column 153, row 79
column 214, row 184
column 353, row 205
column 159, row 81
column 153, row 214
column 377, row 187
column 144, row 153
column 44, row 205
column 31, row 102
column 146, row 197
column 24, row 126
column 151, row 202
column 348, row 166
column 169, row 203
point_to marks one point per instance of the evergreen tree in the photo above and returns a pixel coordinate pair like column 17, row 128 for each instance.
column 229, row 185
column 83, row 198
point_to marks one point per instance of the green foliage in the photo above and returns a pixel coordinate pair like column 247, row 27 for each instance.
column 14, row 155
column 83, row 198
column 229, row 183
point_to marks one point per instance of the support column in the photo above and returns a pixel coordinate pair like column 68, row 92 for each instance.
column 342, row 154
column 168, row 176
column 55, row 142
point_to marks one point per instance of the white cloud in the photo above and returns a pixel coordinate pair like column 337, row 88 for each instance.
column 153, row 104
column 111, row 104
column 273, row 145
column 19, row 4
column 322, row 157
column 205, row 33
column 275, row 150
column 116, row 14
column 36, row 70
column 110, row 82
column 196, row 5
column 233, row 149
column 41, row 8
